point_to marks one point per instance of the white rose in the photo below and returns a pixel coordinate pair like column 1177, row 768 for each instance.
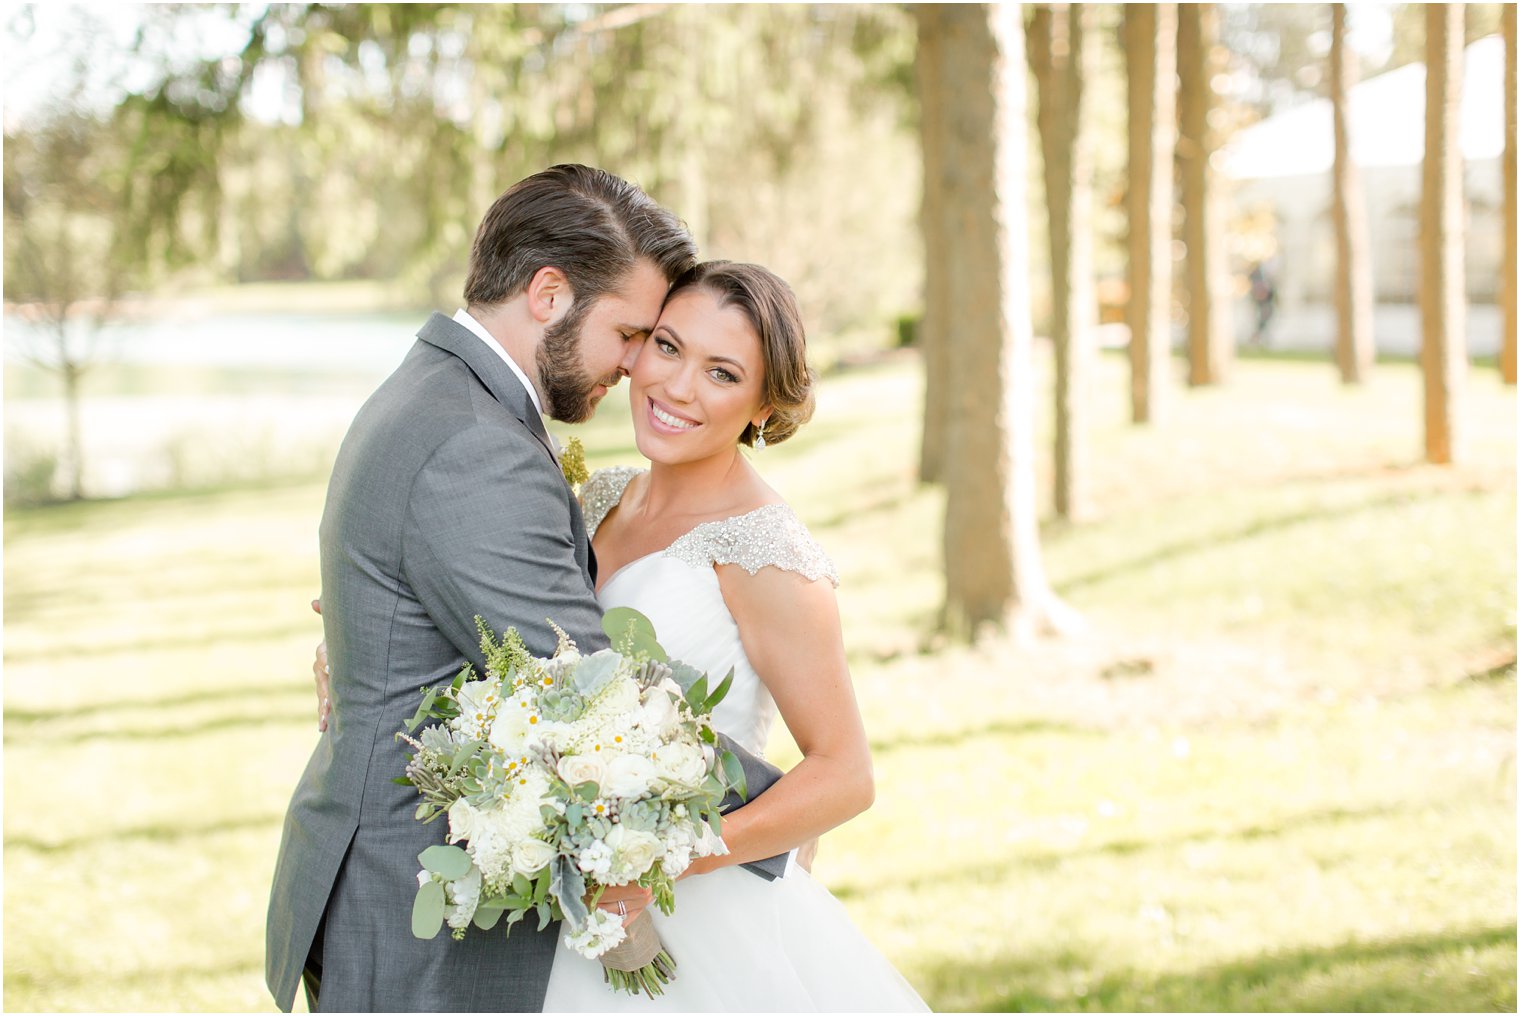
column 513, row 729
column 633, row 851
column 462, row 820
column 629, row 776
column 682, row 764
column 620, row 696
column 657, row 713
column 575, row 769
column 530, row 856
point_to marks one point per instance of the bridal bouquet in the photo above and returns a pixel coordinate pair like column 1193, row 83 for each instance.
column 562, row 776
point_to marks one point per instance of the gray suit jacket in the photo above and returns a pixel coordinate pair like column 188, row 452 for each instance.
column 445, row 502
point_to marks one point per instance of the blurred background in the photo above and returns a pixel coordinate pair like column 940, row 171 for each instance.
column 1165, row 442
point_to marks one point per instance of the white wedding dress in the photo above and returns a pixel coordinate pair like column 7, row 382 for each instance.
column 740, row 943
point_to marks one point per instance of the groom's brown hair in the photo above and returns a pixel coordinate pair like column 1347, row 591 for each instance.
column 588, row 223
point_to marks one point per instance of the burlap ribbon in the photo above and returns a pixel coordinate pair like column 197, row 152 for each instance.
column 637, row 950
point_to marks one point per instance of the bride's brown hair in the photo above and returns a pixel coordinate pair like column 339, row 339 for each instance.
column 771, row 307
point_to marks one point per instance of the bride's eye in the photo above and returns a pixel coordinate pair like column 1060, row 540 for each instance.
column 665, row 346
column 727, row 377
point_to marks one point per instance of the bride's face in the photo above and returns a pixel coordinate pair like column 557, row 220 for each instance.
column 698, row 381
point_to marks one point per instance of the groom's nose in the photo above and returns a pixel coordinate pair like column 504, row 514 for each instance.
column 631, row 350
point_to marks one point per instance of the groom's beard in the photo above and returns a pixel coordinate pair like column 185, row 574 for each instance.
column 562, row 372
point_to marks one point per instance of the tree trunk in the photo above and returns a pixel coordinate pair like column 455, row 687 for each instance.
column 933, row 340
column 1443, row 291
column 993, row 571
column 1150, row 32
column 1354, row 349
column 1062, row 63
column 1210, row 336
column 1507, row 282
column 73, row 471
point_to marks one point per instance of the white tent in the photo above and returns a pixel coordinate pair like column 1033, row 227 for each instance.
column 1387, row 123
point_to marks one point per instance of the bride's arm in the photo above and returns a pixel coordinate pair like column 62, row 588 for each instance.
column 791, row 634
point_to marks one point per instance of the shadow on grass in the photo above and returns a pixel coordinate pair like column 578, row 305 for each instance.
column 884, row 495
column 43, row 984
column 1212, row 540
column 974, row 875
column 958, row 736
column 41, row 734
column 176, row 832
column 168, row 643
column 189, row 698
column 110, row 585
column 1414, row 973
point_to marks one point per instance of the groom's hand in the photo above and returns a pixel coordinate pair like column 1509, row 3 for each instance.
column 321, row 675
column 633, row 899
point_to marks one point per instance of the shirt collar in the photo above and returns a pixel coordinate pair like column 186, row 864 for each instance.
column 464, row 317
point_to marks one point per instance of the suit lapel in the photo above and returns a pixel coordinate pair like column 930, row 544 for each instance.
column 453, row 337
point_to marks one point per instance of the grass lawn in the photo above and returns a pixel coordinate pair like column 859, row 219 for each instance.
column 1277, row 772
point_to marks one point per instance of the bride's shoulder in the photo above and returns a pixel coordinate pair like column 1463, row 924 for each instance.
column 771, row 536
column 602, row 491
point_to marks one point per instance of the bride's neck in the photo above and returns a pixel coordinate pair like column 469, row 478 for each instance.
column 694, row 488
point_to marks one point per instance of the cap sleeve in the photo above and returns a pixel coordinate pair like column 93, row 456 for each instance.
column 601, row 493
column 770, row 536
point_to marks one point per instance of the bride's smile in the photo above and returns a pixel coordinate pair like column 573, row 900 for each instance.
column 698, row 380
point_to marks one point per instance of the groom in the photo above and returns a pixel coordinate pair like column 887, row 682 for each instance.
column 447, row 501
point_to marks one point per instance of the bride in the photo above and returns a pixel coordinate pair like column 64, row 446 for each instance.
column 730, row 577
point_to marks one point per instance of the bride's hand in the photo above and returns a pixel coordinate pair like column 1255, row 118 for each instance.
column 321, row 675
column 634, row 898
column 806, row 853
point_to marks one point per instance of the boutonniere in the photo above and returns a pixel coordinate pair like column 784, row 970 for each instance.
column 572, row 462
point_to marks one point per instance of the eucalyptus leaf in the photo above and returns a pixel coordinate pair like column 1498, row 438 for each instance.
column 520, row 884
column 544, row 916
column 622, row 621
column 427, row 910
column 735, row 773
column 645, row 645
column 486, row 917
column 449, row 861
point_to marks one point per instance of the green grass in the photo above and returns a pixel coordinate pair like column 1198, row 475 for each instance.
column 1277, row 772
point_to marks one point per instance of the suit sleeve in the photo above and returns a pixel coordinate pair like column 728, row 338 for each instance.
column 489, row 532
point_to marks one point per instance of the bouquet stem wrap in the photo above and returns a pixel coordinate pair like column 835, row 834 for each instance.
column 637, row 950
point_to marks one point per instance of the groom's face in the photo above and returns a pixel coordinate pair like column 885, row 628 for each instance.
column 595, row 344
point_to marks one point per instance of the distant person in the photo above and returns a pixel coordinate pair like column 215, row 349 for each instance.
column 1264, row 295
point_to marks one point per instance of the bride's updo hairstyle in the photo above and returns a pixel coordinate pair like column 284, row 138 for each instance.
column 771, row 307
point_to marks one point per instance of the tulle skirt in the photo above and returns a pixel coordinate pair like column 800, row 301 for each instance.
column 744, row 944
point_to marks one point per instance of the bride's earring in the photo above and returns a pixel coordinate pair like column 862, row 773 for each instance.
column 760, row 437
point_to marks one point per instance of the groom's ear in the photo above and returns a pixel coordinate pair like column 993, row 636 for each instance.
column 549, row 295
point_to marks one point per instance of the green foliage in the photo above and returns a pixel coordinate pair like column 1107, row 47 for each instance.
column 779, row 132
column 427, row 910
